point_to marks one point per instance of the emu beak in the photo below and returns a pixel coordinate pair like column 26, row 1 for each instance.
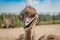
column 28, row 22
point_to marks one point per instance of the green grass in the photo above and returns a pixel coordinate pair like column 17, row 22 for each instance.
column 18, row 23
column 57, row 21
column 48, row 22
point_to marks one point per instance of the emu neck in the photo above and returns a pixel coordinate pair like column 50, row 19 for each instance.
column 28, row 35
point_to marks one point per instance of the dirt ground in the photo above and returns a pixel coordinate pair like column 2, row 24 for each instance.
column 14, row 33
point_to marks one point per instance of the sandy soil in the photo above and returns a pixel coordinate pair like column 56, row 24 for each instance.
column 14, row 33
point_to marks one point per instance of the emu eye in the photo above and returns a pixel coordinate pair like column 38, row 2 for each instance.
column 22, row 17
column 32, row 15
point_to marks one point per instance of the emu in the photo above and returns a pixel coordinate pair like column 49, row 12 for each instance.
column 8, row 22
column 5, row 21
column 29, row 18
column 49, row 37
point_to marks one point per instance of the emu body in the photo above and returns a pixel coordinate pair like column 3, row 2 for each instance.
column 8, row 22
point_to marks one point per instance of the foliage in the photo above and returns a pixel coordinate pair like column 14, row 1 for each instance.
column 42, row 19
column 48, row 19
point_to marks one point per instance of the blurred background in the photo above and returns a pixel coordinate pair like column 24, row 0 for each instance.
column 43, row 19
column 47, row 10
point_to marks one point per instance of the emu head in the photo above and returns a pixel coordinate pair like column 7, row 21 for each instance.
column 29, row 17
